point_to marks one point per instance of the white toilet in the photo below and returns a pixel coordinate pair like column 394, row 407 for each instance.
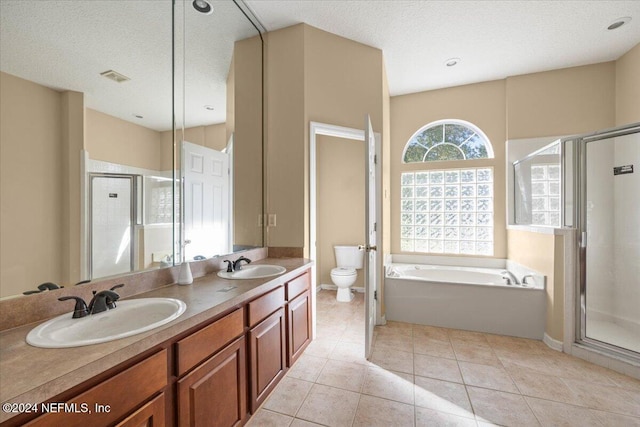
column 348, row 259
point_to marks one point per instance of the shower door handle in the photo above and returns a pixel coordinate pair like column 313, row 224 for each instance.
column 367, row 248
column 583, row 239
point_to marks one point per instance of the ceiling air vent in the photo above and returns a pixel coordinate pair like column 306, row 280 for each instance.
column 115, row 76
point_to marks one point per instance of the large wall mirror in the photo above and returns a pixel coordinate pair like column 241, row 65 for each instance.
column 99, row 101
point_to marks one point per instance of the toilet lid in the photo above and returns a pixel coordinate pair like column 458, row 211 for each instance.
column 343, row 271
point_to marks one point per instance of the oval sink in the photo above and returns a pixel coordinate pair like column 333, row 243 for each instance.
column 130, row 317
column 254, row 272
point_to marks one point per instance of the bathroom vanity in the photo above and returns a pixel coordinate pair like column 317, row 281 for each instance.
column 214, row 365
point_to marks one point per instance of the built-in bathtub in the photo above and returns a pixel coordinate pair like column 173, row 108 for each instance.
column 470, row 298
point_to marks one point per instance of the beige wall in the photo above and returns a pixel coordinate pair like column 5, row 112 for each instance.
column 73, row 140
column 482, row 104
column 340, row 185
column 117, row 141
column 31, row 179
column 543, row 252
column 248, row 142
column 211, row 136
column 561, row 102
column 628, row 87
column 312, row 75
column 286, row 129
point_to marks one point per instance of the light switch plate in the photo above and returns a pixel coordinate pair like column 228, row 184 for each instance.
column 272, row 220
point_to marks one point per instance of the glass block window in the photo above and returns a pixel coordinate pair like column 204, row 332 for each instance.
column 447, row 211
column 545, row 194
column 447, row 140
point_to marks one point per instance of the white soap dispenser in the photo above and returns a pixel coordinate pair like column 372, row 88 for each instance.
column 185, row 277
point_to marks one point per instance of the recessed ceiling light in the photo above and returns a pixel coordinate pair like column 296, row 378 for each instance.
column 209, row 107
column 202, row 6
column 451, row 62
column 138, row 116
column 619, row 23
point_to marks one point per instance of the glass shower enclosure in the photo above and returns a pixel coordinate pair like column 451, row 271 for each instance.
column 592, row 183
column 608, row 219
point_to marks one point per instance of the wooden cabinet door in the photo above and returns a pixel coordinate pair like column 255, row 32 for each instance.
column 150, row 415
column 267, row 343
column 298, row 326
column 215, row 393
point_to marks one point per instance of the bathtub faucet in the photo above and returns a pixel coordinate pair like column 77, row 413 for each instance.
column 510, row 278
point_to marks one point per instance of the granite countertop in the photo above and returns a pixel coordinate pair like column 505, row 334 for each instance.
column 31, row 374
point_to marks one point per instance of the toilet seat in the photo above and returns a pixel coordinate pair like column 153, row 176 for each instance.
column 343, row 271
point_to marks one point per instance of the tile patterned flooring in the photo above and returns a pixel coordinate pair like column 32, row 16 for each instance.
column 428, row 376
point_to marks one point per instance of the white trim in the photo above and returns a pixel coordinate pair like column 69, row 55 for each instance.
column 552, row 343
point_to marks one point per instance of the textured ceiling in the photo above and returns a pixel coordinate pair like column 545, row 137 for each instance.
column 65, row 45
column 494, row 39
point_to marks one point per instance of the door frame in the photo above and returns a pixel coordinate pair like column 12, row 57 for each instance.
column 315, row 129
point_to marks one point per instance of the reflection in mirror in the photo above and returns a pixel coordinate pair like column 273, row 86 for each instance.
column 219, row 66
column 87, row 132
column 538, row 187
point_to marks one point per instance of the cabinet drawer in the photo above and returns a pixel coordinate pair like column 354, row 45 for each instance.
column 114, row 398
column 263, row 306
column 297, row 286
column 198, row 346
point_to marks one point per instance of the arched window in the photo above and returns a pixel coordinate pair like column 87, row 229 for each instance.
column 447, row 140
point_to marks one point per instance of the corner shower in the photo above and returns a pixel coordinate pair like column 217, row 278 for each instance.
column 591, row 183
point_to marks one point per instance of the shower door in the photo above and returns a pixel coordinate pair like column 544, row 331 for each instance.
column 610, row 240
column 112, row 220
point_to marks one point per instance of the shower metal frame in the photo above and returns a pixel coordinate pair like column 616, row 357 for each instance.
column 579, row 185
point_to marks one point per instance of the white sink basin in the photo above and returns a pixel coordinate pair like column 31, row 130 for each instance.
column 128, row 318
column 254, row 272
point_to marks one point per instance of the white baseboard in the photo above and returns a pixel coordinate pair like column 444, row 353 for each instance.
column 551, row 343
column 334, row 288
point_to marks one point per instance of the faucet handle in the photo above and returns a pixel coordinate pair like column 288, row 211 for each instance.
column 121, row 285
column 83, row 282
column 229, row 265
column 80, row 309
column 525, row 277
column 102, row 301
column 508, row 279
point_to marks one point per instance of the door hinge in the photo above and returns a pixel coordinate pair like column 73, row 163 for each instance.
column 375, row 226
column 375, row 159
column 375, row 295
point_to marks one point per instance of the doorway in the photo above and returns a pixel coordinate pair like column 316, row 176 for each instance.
column 323, row 129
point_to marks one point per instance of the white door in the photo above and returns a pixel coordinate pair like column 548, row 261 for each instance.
column 112, row 216
column 207, row 210
column 370, row 258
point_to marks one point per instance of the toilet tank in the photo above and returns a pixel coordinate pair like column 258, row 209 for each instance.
column 349, row 256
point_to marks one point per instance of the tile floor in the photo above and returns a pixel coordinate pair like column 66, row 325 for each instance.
column 428, row 376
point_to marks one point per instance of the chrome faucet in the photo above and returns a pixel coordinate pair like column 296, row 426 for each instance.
column 510, row 278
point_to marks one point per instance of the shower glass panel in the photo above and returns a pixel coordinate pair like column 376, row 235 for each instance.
column 611, row 247
column 538, row 187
